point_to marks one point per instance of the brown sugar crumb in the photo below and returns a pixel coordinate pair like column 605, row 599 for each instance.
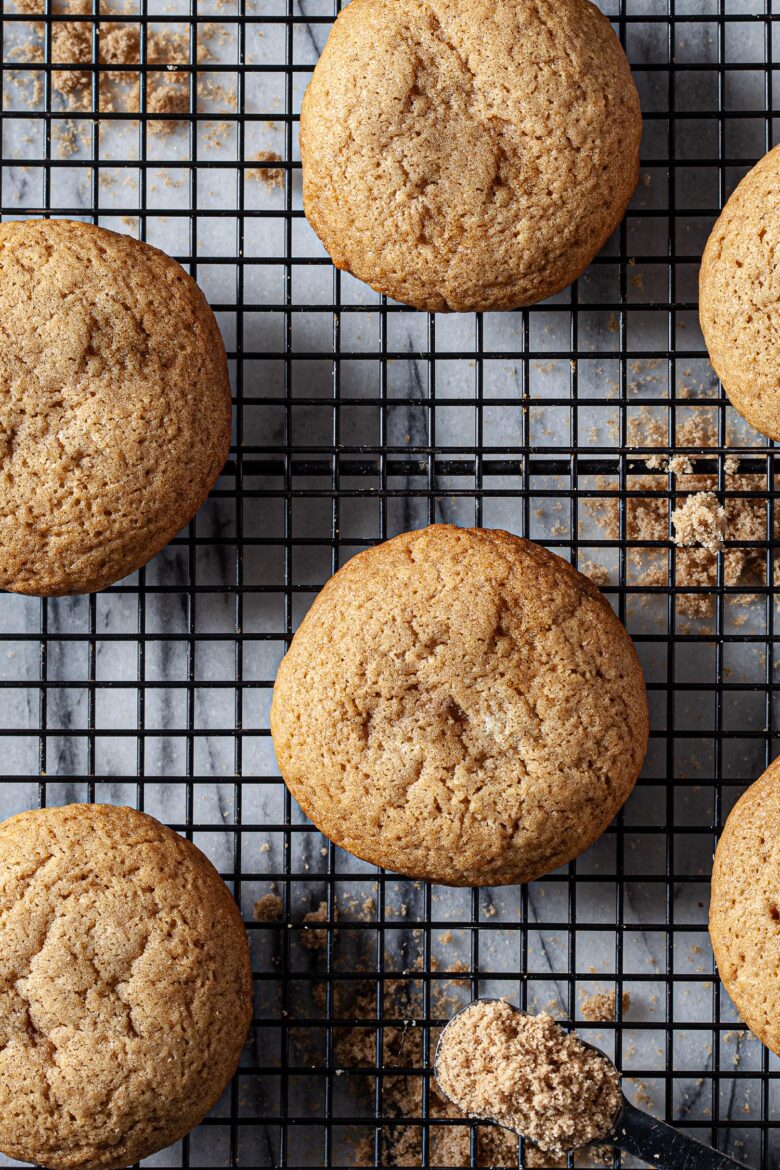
column 526, row 1073
column 536, row 1159
column 120, row 44
column 599, row 574
column 71, row 44
column 65, row 139
column 600, row 1008
column 680, row 465
column 700, row 520
column 268, row 908
column 316, row 940
column 648, row 516
column 167, row 99
column 271, row 176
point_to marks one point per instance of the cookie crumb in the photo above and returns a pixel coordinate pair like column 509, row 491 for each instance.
column 525, row 1072
column 600, row 1008
column 700, row 520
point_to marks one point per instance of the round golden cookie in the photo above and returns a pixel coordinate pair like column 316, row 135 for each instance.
column 125, row 986
column 469, row 154
column 460, row 705
column 114, row 405
column 739, row 296
column 745, row 906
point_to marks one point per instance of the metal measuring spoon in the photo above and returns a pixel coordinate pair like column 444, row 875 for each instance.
column 633, row 1131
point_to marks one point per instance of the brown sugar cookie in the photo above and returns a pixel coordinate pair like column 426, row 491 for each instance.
column 460, row 705
column 745, row 906
column 114, row 405
column 125, row 986
column 739, row 296
column 469, row 154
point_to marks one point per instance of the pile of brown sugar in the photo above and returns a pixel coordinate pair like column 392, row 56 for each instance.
column 107, row 42
column 167, row 92
column 402, row 1092
column 700, row 525
column 529, row 1075
column 699, row 520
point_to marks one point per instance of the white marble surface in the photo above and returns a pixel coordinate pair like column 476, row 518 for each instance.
column 155, row 677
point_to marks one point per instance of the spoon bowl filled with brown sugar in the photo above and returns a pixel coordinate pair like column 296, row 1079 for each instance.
column 526, row 1074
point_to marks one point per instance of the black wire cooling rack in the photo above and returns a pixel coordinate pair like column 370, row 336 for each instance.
column 357, row 419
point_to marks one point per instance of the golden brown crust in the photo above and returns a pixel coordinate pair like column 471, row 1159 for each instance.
column 460, row 705
column 469, row 154
column 125, row 986
column 739, row 295
column 745, row 906
column 114, row 408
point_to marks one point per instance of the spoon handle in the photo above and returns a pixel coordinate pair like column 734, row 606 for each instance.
column 660, row 1145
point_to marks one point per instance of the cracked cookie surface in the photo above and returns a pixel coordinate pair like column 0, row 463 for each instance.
column 125, row 986
column 745, row 906
column 739, row 302
column 114, row 405
column 460, row 705
column 469, row 154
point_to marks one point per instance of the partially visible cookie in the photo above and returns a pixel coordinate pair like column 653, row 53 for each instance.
column 125, row 986
column 460, row 705
column 745, row 907
column 739, row 296
column 114, row 405
column 469, row 154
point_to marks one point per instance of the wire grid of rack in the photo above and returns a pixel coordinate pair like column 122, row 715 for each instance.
column 357, row 419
